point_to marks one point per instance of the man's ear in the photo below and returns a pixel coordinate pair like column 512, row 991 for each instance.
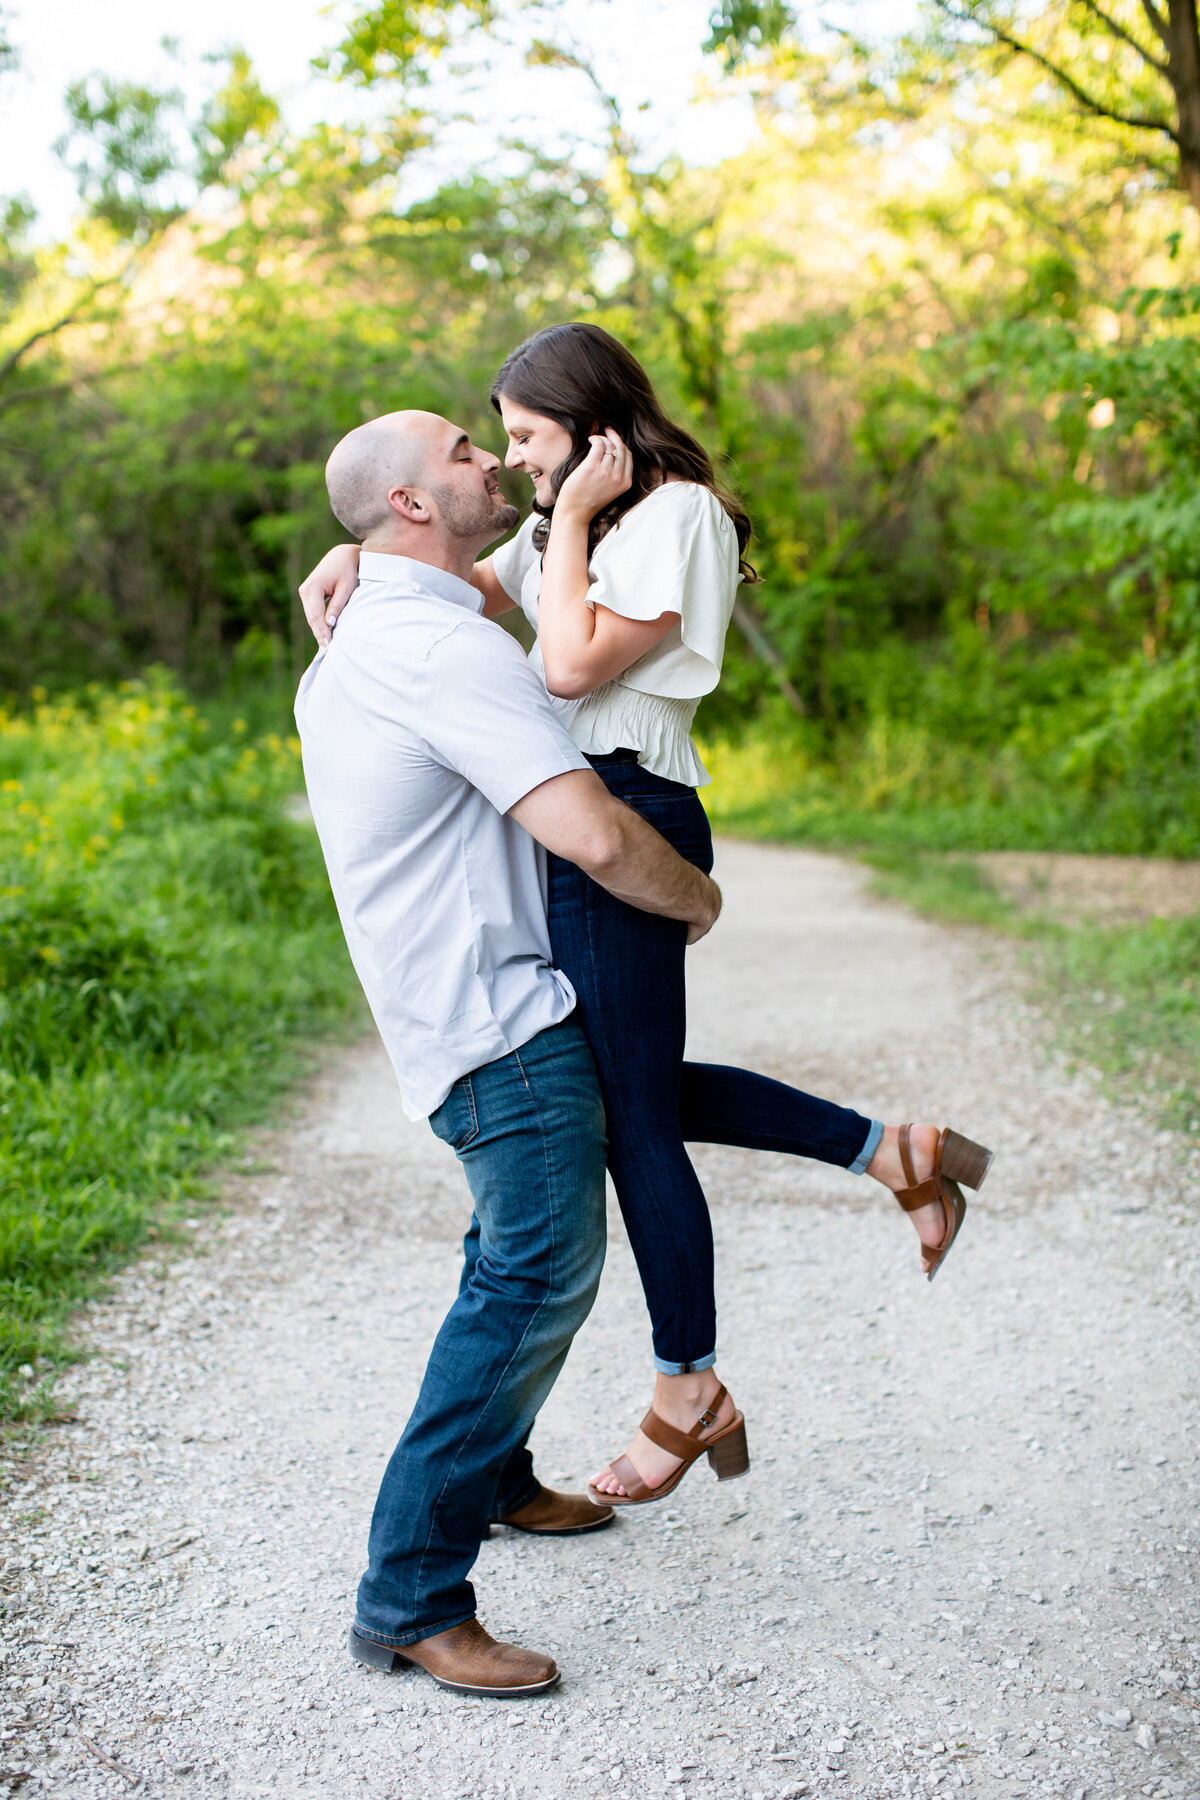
column 409, row 505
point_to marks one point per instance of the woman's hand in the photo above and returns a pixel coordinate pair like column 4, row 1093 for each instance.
column 605, row 472
column 324, row 593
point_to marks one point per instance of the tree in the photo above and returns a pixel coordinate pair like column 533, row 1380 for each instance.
column 1137, row 66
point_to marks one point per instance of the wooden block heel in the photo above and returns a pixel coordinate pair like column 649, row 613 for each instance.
column 965, row 1161
column 730, row 1458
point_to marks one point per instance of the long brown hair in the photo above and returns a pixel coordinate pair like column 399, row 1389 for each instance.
column 586, row 380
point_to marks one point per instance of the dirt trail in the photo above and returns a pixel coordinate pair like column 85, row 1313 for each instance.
column 964, row 1557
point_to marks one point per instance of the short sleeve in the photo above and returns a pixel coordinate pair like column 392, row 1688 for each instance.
column 486, row 715
column 513, row 560
column 675, row 551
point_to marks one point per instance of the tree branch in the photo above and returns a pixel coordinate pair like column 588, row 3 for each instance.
column 1126, row 37
column 1086, row 100
column 19, row 396
column 47, row 331
column 1159, row 24
column 547, row 55
column 751, row 628
column 76, row 385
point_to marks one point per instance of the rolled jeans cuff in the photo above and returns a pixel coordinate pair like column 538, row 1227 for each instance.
column 859, row 1165
column 684, row 1368
column 404, row 1638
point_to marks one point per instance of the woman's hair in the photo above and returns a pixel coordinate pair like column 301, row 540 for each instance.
column 586, row 381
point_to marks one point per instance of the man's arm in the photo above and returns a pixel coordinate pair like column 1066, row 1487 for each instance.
column 576, row 817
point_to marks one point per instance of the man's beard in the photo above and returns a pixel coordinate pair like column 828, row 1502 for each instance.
column 474, row 518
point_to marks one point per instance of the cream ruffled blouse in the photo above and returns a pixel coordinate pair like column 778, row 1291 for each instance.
column 675, row 551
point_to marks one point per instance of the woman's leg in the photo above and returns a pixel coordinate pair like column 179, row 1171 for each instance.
column 720, row 1105
column 627, row 968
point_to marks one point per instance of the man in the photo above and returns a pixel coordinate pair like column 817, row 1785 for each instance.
column 434, row 761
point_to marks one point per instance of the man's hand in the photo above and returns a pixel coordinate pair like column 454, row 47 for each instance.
column 324, row 593
column 576, row 817
column 698, row 928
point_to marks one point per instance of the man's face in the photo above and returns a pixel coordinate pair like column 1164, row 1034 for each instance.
column 463, row 484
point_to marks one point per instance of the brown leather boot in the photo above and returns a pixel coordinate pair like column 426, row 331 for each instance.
column 558, row 1515
column 465, row 1660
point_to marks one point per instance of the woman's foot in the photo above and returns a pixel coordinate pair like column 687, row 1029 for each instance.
column 886, row 1167
column 680, row 1400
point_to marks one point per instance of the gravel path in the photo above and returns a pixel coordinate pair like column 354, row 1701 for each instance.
column 964, row 1556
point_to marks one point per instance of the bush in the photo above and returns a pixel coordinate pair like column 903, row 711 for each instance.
column 168, row 952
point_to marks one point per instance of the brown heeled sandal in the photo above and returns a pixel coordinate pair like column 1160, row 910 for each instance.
column 955, row 1159
column 727, row 1455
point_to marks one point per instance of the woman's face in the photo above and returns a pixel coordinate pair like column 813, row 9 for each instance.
column 536, row 444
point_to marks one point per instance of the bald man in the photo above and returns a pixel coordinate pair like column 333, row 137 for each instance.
column 439, row 775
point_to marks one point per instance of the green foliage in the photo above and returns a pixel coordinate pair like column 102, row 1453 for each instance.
column 400, row 41
column 1122, row 67
column 168, row 950
column 738, row 28
column 122, row 151
column 238, row 116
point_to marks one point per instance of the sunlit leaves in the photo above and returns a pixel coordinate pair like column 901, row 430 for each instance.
column 123, row 149
column 239, row 114
column 400, row 40
column 738, row 28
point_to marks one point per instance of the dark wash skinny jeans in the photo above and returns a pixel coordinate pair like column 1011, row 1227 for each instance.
column 627, row 968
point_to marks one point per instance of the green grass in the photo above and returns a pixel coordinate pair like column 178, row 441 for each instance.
column 950, row 888
column 169, row 957
column 1128, row 1001
column 901, row 791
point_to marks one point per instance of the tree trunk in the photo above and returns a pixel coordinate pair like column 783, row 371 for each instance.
column 1183, row 64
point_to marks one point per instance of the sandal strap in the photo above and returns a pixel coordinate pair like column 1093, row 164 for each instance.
column 680, row 1443
column 906, row 1161
column 630, row 1480
column 910, row 1198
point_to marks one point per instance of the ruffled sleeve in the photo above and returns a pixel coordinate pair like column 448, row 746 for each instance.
column 675, row 551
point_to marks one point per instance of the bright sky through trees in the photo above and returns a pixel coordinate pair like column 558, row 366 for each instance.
column 657, row 59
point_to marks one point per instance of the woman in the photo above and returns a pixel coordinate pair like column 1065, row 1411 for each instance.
column 628, row 567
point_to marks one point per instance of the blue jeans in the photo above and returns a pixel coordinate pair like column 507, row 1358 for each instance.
column 529, row 1132
column 627, row 968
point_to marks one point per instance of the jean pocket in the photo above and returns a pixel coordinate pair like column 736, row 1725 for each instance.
column 456, row 1120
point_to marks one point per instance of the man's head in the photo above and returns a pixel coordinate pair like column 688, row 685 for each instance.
column 414, row 484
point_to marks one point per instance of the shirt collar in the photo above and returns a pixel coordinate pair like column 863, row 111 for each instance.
column 406, row 572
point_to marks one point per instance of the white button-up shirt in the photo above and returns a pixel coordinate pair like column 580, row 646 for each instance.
column 421, row 725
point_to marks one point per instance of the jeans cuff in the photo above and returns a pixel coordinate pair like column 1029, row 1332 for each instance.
column 684, row 1368
column 859, row 1165
column 500, row 1512
column 404, row 1638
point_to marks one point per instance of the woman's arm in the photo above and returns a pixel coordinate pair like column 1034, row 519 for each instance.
column 584, row 646
column 495, row 600
column 324, row 593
